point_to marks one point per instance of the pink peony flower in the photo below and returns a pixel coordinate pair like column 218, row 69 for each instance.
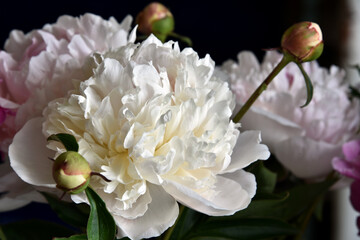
column 349, row 166
column 303, row 139
column 43, row 65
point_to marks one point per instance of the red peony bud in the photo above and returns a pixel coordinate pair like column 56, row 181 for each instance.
column 71, row 172
column 303, row 41
column 156, row 19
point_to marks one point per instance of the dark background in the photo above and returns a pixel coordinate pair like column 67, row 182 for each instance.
column 221, row 28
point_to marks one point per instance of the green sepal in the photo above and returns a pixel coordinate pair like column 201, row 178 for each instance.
column 309, row 86
column 101, row 225
column 68, row 140
column 317, row 51
column 163, row 26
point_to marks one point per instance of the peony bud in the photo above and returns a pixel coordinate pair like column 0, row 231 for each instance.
column 303, row 41
column 156, row 19
column 71, row 172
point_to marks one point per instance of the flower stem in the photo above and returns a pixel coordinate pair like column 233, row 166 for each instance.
column 100, row 175
column 284, row 61
column 181, row 38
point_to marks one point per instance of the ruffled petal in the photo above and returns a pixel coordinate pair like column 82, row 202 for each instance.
column 162, row 213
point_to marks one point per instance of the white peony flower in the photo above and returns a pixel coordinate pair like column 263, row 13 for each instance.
column 303, row 139
column 155, row 121
column 42, row 65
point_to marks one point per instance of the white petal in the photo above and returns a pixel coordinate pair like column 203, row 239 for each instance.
column 29, row 155
column 247, row 150
column 227, row 197
column 162, row 213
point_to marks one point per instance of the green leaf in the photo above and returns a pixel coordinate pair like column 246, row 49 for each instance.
column 68, row 140
column 71, row 213
column 263, row 208
column 309, row 87
column 265, row 179
column 187, row 221
column 249, row 229
column 35, row 230
column 74, row 237
column 101, row 225
column 298, row 200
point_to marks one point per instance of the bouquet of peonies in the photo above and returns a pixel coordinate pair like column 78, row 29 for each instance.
column 129, row 136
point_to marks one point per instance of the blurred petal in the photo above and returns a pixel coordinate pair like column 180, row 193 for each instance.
column 346, row 168
column 351, row 150
column 305, row 157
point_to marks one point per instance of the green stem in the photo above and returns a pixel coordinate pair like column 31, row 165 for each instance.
column 170, row 231
column 284, row 61
column 181, row 38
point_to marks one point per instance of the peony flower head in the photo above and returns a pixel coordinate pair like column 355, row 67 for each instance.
column 155, row 121
column 303, row 139
column 303, row 41
column 42, row 65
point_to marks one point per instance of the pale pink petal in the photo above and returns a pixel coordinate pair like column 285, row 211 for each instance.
column 305, row 157
column 274, row 128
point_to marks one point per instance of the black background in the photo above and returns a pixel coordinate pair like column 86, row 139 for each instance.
column 221, row 28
